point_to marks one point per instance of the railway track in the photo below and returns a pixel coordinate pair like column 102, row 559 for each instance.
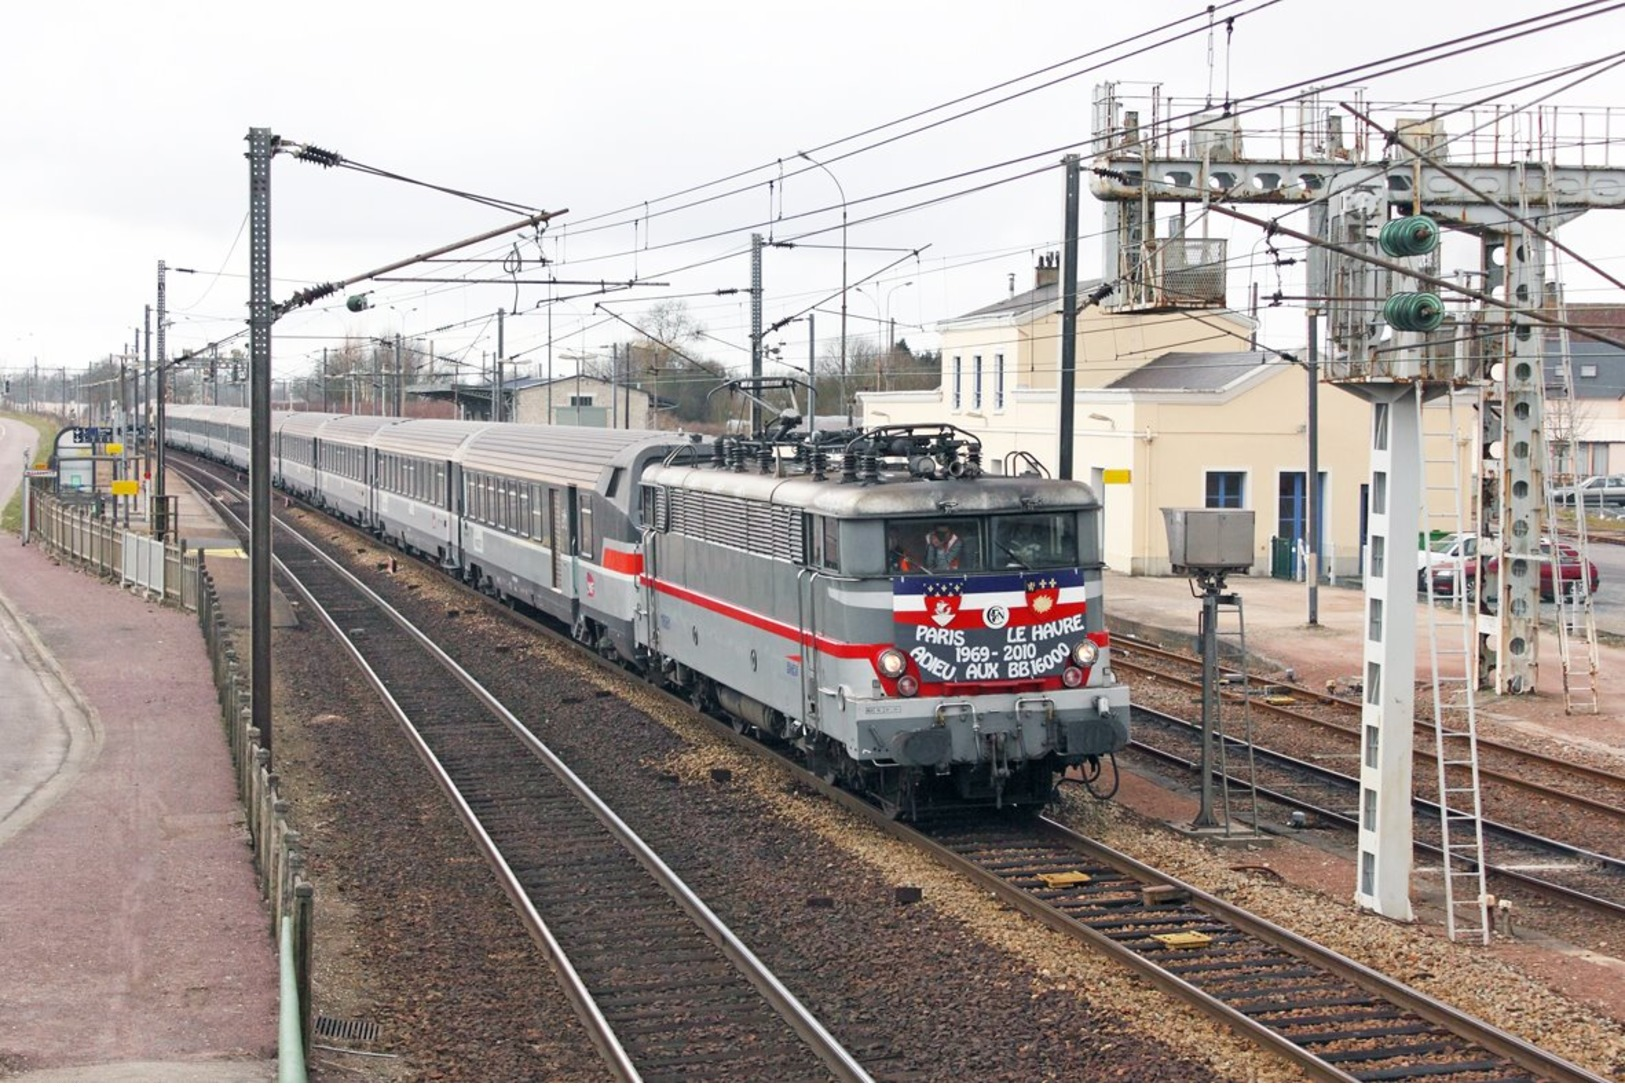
column 1591, row 881
column 1382, row 1031
column 1332, row 1017
column 665, row 990
column 1549, row 796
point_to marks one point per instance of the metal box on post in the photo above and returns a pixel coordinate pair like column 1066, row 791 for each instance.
column 1209, row 541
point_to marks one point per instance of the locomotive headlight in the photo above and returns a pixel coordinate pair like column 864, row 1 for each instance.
column 908, row 686
column 1084, row 653
column 891, row 663
column 1071, row 675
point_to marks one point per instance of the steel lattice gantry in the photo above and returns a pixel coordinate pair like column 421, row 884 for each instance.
column 1159, row 153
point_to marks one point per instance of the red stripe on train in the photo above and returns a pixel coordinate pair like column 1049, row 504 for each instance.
column 623, row 562
column 828, row 646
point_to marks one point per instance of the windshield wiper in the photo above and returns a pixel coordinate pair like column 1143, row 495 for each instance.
column 1014, row 557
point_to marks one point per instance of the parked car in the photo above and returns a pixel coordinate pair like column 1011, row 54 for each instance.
column 1596, row 491
column 1569, row 568
column 1443, row 554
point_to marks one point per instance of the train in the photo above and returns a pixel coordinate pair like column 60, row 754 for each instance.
column 924, row 630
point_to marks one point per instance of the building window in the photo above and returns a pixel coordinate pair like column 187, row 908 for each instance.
column 959, row 383
column 1379, row 494
column 976, row 383
column 1379, row 546
column 1371, row 745
column 1373, row 628
column 1224, row 490
column 581, row 401
column 1373, row 683
column 998, row 382
column 1379, row 426
column 1368, row 809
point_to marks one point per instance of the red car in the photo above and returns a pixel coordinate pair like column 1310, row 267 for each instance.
column 1572, row 574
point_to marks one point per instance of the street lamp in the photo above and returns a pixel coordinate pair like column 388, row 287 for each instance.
column 842, row 190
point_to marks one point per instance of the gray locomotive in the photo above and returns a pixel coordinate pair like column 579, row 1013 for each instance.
column 926, row 633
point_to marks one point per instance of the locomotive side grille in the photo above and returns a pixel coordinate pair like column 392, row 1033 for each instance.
column 725, row 522
column 787, row 534
column 757, row 527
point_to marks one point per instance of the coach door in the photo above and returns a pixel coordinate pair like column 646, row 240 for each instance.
column 453, row 499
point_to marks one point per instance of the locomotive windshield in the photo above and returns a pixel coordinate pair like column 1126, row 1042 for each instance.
column 1017, row 541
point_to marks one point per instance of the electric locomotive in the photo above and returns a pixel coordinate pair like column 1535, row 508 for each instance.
column 928, row 634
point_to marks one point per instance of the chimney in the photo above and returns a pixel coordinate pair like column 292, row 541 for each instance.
column 1048, row 273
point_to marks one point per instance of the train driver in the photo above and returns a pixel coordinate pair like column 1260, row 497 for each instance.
column 943, row 549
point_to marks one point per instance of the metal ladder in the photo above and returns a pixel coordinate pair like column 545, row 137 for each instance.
column 1576, row 619
column 1241, row 801
column 1452, row 638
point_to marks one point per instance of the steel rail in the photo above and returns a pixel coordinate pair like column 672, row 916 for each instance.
column 1537, row 1060
column 800, row 1019
column 1600, row 807
column 1520, row 1052
column 1523, row 879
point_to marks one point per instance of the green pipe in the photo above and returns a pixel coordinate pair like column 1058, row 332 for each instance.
column 290, row 1045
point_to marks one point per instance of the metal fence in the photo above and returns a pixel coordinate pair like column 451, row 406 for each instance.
column 278, row 854
column 80, row 533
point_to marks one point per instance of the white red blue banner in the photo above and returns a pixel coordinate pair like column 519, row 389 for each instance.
column 1013, row 625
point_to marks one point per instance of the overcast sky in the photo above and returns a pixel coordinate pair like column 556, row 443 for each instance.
column 124, row 124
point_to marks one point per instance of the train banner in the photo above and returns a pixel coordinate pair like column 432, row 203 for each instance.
column 989, row 627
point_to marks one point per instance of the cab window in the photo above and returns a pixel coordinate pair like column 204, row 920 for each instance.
column 1032, row 541
column 934, row 546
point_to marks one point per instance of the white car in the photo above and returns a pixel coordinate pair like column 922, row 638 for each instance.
column 1447, row 552
column 1596, row 491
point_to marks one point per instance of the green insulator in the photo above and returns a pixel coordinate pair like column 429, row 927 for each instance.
column 1409, row 237
column 1414, row 311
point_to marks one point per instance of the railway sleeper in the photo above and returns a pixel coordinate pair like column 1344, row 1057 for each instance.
column 1257, row 1007
column 1388, row 1030
column 1391, row 1073
column 1246, row 969
column 1285, row 1021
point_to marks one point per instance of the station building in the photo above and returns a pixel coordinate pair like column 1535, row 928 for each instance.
column 1174, row 408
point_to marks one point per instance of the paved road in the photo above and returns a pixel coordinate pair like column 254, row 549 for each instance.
column 15, row 440
column 1609, row 603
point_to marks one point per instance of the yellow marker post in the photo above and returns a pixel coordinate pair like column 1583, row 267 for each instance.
column 126, row 486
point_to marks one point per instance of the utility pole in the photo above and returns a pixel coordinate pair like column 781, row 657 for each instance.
column 146, row 387
column 1069, row 320
column 1312, row 484
column 812, row 377
column 260, row 146
column 400, row 379
column 496, row 374
column 755, row 326
column 163, row 380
